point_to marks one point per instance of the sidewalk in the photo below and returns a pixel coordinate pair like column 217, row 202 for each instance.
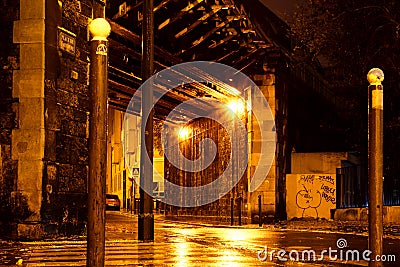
column 302, row 224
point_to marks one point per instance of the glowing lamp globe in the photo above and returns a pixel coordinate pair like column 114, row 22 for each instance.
column 375, row 76
column 100, row 29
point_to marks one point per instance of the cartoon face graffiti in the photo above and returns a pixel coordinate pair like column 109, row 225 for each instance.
column 308, row 200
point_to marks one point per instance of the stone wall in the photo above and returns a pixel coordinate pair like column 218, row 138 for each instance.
column 9, row 60
column 66, row 119
column 44, row 117
column 273, row 83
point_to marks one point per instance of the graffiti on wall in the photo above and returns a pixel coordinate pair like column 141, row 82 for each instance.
column 315, row 193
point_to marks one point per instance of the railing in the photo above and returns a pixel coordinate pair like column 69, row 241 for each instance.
column 352, row 188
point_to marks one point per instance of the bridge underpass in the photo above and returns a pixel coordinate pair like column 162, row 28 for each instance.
column 248, row 37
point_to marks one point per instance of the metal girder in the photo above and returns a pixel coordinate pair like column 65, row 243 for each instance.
column 211, row 32
column 136, row 39
column 161, row 5
column 180, row 14
column 198, row 22
column 124, row 9
column 226, row 39
column 253, row 60
column 227, row 55
column 243, row 57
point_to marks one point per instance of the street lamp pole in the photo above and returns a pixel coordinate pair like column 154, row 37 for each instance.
column 233, row 172
column 237, row 107
column 375, row 163
column 146, row 216
column 99, row 29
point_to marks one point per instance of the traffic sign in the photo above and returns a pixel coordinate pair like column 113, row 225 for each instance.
column 135, row 172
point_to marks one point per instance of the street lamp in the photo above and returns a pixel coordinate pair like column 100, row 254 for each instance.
column 237, row 106
column 100, row 30
column 375, row 163
column 183, row 136
column 183, row 133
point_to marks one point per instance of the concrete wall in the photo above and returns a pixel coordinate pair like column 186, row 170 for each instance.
column 311, row 188
column 391, row 214
column 310, row 195
column 323, row 162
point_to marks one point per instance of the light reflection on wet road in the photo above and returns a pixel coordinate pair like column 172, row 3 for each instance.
column 247, row 242
column 179, row 244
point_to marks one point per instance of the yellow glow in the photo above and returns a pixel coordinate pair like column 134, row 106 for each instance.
column 237, row 106
column 183, row 133
column 100, row 29
column 230, row 258
column 181, row 251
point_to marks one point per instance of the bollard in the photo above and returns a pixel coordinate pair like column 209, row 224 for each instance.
column 240, row 200
column 259, row 211
column 232, row 214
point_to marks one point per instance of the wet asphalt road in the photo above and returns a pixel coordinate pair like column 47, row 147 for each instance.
column 246, row 242
column 186, row 244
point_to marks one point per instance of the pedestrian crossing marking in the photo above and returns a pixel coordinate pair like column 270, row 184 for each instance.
column 127, row 253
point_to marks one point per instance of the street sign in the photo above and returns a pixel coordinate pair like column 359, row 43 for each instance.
column 135, row 172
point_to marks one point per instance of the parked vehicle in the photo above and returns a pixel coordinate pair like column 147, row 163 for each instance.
column 113, row 202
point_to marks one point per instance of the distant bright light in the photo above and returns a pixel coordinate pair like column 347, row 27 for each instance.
column 183, row 133
column 237, row 106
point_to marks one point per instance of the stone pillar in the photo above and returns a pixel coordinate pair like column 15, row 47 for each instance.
column 49, row 142
column 268, row 189
column 28, row 139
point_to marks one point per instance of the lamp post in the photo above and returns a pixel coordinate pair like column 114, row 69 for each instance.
column 375, row 163
column 146, row 216
column 237, row 107
column 99, row 29
column 183, row 136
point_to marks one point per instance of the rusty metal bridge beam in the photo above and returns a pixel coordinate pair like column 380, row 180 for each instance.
column 226, row 39
column 130, row 8
column 245, row 56
column 215, row 10
column 136, row 39
column 161, row 5
column 189, row 7
column 209, row 33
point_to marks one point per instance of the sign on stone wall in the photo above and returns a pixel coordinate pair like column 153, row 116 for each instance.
column 310, row 195
column 66, row 40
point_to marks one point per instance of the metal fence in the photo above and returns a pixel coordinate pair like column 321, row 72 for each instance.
column 352, row 188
